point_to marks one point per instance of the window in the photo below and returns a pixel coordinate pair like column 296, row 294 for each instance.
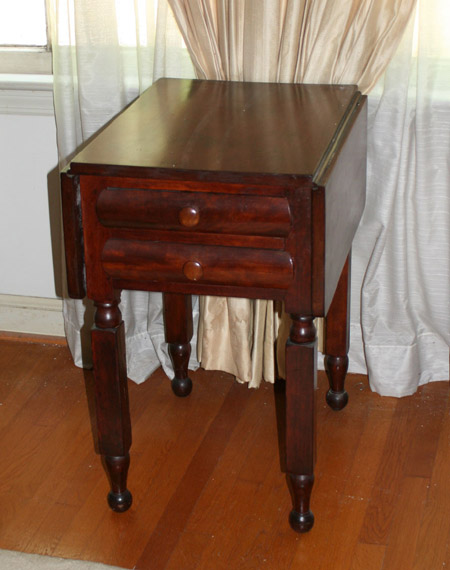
column 23, row 40
column 15, row 30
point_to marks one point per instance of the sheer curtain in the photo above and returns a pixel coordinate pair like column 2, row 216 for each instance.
column 319, row 41
column 401, row 254
column 105, row 53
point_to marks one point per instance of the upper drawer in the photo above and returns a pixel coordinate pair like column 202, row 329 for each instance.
column 195, row 211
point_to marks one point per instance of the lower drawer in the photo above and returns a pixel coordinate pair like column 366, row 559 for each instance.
column 172, row 262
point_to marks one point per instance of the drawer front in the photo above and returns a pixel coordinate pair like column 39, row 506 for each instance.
column 194, row 211
column 174, row 262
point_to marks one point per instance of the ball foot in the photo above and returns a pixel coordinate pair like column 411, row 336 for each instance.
column 182, row 387
column 301, row 522
column 120, row 502
column 337, row 400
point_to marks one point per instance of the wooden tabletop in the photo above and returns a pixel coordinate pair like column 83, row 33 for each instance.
column 181, row 125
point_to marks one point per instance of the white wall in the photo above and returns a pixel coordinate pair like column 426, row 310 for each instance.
column 27, row 156
column 30, row 248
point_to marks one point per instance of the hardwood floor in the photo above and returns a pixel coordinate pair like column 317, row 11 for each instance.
column 205, row 474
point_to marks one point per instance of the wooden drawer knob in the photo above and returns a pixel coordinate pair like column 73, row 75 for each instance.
column 189, row 216
column 193, row 270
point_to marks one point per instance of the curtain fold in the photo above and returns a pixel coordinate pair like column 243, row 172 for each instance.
column 292, row 41
column 105, row 53
column 300, row 41
column 402, row 249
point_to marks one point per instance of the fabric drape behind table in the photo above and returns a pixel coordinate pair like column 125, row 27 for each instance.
column 286, row 41
column 401, row 252
column 292, row 41
column 401, row 264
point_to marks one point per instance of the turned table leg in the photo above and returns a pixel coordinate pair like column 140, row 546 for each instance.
column 178, row 331
column 301, row 354
column 111, row 400
column 337, row 335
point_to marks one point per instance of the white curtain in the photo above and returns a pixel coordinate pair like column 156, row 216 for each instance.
column 401, row 254
column 105, row 53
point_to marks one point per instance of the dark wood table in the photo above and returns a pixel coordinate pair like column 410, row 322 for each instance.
column 220, row 188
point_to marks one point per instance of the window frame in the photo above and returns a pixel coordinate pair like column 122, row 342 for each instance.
column 26, row 79
column 27, row 59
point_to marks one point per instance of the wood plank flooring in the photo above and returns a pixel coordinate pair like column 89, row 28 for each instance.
column 205, row 474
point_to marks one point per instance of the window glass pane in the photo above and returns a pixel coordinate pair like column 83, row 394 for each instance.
column 439, row 34
column 23, row 22
column 133, row 18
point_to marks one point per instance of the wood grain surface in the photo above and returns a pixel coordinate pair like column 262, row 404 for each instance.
column 209, row 494
column 221, row 126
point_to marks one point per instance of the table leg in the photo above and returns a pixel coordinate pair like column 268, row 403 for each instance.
column 178, row 331
column 301, row 354
column 337, row 336
column 111, row 399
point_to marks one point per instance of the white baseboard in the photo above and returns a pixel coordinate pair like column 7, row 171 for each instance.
column 32, row 315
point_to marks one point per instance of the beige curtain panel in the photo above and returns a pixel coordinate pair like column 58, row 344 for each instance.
column 302, row 41
column 296, row 41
